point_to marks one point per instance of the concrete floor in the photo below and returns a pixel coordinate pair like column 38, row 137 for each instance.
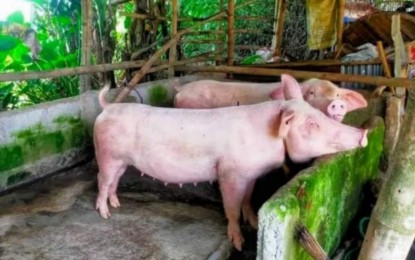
column 56, row 219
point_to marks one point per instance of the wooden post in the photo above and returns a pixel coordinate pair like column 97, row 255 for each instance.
column 173, row 48
column 340, row 16
column 86, row 9
column 280, row 26
column 231, row 32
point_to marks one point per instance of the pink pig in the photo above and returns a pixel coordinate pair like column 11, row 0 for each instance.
column 335, row 102
column 234, row 145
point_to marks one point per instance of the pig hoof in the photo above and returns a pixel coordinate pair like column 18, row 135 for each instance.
column 253, row 221
column 235, row 237
column 114, row 202
column 237, row 242
column 105, row 213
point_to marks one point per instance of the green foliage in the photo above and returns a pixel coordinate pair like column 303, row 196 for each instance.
column 57, row 26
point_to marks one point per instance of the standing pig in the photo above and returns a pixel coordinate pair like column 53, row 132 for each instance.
column 335, row 102
column 234, row 145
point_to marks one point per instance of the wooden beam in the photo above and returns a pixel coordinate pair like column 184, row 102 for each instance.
column 336, row 77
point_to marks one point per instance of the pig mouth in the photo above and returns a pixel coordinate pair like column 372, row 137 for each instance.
column 338, row 118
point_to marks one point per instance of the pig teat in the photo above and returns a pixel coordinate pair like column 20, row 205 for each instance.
column 337, row 109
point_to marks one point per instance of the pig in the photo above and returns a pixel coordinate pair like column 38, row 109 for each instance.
column 335, row 102
column 233, row 145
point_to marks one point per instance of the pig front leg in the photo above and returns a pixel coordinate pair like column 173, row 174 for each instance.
column 233, row 191
column 247, row 210
column 108, row 177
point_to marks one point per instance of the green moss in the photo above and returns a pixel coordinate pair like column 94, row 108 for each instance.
column 38, row 142
column 158, row 96
column 17, row 177
column 326, row 197
column 10, row 157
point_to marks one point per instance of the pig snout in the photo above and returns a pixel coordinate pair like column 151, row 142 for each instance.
column 337, row 109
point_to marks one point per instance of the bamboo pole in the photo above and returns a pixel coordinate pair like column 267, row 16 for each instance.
column 379, row 90
column 124, row 92
column 374, row 80
column 280, row 26
column 221, row 37
column 340, row 16
column 173, row 48
column 231, row 32
column 391, row 228
column 86, row 8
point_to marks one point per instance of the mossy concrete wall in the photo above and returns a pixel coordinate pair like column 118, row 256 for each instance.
column 324, row 197
column 47, row 138
column 41, row 139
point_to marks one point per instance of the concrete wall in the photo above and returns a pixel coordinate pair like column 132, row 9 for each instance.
column 47, row 138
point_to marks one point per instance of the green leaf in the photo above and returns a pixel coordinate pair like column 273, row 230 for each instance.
column 16, row 17
column 127, row 22
column 7, row 100
column 8, row 42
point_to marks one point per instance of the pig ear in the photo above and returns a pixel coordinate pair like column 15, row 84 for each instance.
column 290, row 87
column 277, row 93
column 353, row 99
column 285, row 123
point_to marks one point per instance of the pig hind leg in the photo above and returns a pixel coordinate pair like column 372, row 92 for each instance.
column 110, row 171
column 114, row 202
column 232, row 195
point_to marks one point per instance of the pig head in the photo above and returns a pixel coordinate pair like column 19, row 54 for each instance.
column 335, row 102
column 234, row 145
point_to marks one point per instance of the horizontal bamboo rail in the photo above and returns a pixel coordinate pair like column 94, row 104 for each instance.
column 204, row 32
column 189, row 19
column 191, row 41
column 70, row 71
column 337, row 77
column 254, row 31
column 93, row 69
column 248, row 47
column 316, row 63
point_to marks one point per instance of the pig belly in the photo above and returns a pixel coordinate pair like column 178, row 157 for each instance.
column 168, row 166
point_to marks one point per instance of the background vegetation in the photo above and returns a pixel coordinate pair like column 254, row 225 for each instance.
column 57, row 24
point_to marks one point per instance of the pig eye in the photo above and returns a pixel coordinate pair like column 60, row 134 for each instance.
column 338, row 95
column 312, row 93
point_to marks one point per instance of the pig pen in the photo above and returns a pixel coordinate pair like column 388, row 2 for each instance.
column 48, row 188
